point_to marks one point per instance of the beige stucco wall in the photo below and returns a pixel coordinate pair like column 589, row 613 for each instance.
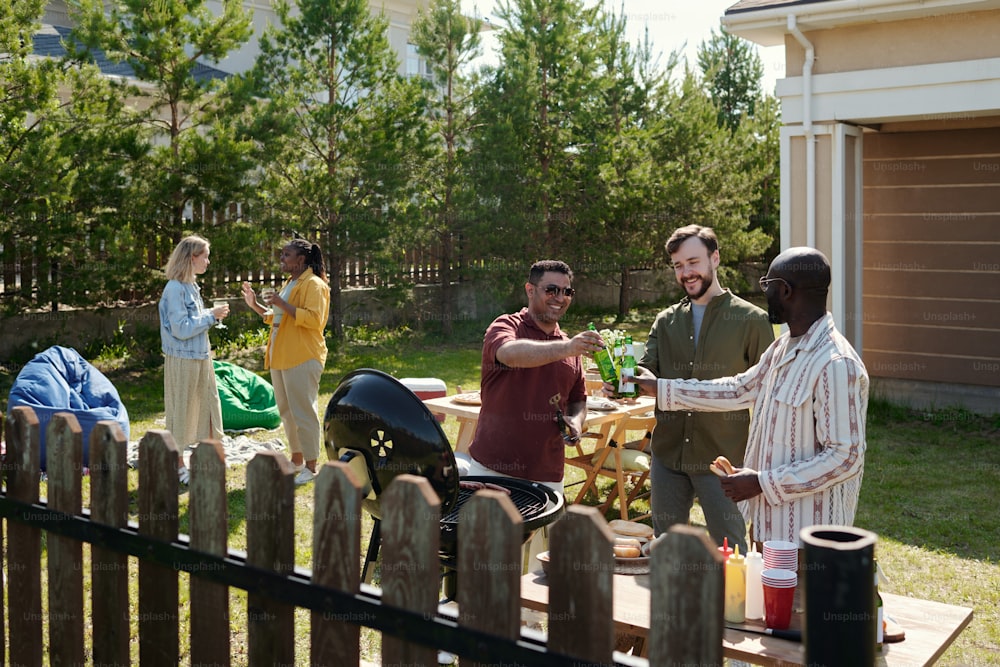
column 939, row 39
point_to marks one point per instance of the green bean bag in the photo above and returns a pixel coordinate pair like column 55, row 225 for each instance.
column 247, row 399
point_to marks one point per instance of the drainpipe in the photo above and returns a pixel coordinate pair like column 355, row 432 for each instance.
column 807, row 68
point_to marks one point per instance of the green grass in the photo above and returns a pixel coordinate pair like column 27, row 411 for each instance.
column 929, row 490
column 929, row 493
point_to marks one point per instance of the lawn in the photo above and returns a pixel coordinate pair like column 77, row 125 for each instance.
column 929, row 487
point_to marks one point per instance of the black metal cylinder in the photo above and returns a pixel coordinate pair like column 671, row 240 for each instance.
column 839, row 595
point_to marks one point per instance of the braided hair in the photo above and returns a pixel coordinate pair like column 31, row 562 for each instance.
column 313, row 255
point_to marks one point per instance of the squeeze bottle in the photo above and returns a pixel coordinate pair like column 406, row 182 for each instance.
column 755, row 589
column 736, row 588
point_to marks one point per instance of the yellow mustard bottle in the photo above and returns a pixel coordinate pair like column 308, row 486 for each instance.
column 736, row 588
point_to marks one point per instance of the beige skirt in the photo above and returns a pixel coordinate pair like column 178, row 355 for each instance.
column 191, row 400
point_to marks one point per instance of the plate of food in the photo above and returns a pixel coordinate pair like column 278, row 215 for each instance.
column 622, row 528
column 467, row 398
column 601, row 404
column 631, row 556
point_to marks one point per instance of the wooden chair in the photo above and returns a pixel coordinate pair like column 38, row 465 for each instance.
column 613, row 446
column 581, row 457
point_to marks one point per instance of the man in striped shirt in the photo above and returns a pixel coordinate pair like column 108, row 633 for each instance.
column 809, row 393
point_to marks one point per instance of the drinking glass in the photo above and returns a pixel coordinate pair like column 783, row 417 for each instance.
column 217, row 304
column 266, row 295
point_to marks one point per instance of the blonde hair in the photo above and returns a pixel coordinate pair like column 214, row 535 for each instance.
column 179, row 265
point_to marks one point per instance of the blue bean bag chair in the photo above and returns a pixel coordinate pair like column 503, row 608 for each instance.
column 60, row 380
column 247, row 399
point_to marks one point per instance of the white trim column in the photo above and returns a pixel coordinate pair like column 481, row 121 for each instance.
column 847, row 262
column 843, row 181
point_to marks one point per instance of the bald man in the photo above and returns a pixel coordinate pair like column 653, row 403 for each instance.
column 809, row 393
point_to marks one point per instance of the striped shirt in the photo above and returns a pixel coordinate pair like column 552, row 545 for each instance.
column 807, row 435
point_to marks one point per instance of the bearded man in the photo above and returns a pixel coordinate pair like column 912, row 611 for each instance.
column 708, row 334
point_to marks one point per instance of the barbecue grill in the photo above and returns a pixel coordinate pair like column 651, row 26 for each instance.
column 383, row 430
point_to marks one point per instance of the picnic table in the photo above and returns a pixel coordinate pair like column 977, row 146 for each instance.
column 467, row 414
column 930, row 627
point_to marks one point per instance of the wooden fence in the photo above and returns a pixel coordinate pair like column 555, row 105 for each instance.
column 686, row 579
column 29, row 273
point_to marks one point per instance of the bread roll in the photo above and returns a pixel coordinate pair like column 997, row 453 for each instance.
column 628, row 542
column 721, row 466
column 627, row 552
column 630, row 528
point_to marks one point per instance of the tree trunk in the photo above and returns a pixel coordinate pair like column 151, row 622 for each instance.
column 447, row 307
column 624, row 293
column 335, row 274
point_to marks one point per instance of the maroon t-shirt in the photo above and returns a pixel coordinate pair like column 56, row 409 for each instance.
column 517, row 434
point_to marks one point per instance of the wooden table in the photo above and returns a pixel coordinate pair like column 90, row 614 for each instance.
column 467, row 416
column 930, row 627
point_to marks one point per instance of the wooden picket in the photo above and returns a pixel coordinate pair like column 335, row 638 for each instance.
column 686, row 579
column 108, row 568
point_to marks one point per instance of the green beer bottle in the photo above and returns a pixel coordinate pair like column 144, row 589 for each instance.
column 626, row 384
column 605, row 364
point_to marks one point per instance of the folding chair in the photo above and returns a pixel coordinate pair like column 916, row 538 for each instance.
column 615, row 447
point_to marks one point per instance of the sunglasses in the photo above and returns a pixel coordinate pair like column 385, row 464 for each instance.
column 766, row 282
column 553, row 290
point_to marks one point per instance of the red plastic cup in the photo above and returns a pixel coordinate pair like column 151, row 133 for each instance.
column 778, row 606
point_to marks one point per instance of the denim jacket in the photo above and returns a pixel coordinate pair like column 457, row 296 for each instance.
column 184, row 322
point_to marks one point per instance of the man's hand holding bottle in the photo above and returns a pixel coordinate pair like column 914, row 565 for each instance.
column 644, row 380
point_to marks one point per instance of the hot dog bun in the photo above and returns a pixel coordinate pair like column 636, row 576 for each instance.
column 721, row 466
column 630, row 528
column 628, row 542
column 627, row 552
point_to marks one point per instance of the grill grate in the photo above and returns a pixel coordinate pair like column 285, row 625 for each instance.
column 528, row 503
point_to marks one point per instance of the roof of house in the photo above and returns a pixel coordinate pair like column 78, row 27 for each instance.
column 765, row 21
column 48, row 42
column 752, row 5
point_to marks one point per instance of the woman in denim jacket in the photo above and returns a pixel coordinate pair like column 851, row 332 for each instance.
column 190, row 395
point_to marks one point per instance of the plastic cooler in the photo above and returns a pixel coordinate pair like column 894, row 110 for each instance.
column 426, row 388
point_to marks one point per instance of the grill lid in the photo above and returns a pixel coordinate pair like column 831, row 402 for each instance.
column 373, row 413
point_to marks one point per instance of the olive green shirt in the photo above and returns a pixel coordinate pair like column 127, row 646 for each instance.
column 733, row 335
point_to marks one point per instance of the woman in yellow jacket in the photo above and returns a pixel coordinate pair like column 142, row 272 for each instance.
column 296, row 350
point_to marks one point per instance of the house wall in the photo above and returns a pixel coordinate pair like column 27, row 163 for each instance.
column 935, row 39
column 932, row 255
column 921, row 268
column 400, row 13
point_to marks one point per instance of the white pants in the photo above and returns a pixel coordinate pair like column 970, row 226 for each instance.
column 476, row 469
column 539, row 540
column 295, row 392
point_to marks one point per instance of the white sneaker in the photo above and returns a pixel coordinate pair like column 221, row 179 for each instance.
column 184, row 475
column 304, row 477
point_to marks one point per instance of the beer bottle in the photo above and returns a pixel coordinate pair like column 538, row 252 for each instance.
column 605, row 364
column 626, row 383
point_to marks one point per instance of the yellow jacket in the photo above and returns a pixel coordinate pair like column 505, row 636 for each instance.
column 300, row 338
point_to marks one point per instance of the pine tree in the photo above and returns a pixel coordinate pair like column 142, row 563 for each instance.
column 449, row 41
column 345, row 132
column 186, row 168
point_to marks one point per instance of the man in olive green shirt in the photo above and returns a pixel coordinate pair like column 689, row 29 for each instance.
column 710, row 333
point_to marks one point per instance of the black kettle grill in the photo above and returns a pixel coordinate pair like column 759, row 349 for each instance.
column 382, row 429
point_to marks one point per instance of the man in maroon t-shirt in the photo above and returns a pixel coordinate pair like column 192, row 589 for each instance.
column 531, row 370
